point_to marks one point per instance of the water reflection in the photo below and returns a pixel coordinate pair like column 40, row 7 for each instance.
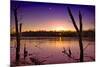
column 50, row 48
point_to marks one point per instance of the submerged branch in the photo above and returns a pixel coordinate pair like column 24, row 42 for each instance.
column 69, row 54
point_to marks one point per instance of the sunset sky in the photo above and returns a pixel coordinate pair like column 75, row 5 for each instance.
column 46, row 16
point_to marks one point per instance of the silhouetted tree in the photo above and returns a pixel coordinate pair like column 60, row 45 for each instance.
column 79, row 31
column 17, row 35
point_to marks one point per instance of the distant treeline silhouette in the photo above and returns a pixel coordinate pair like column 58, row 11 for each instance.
column 89, row 33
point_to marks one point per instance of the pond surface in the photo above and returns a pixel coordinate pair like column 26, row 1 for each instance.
column 48, row 50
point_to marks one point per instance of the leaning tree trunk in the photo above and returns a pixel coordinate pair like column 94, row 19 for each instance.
column 79, row 31
column 17, row 36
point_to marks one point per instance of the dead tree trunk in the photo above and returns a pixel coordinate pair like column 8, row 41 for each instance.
column 80, row 38
column 20, row 28
column 79, row 31
column 17, row 36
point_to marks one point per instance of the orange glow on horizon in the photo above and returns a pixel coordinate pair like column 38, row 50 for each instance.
column 59, row 28
column 55, row 25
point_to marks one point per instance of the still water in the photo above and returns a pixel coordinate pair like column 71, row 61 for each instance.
column 49, row 49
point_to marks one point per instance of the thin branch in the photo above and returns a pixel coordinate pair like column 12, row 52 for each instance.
column 80, row 21
column 69, row 54
column 72, row 18
column 20, row 28
column 36, row 61
column 86, row 46
column 90, row 58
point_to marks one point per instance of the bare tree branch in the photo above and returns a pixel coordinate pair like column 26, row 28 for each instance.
column 79, row 31
column 72, row 18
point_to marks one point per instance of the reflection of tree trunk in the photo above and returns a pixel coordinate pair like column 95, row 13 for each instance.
column 17, row 36
column 81, row 48
column 79, row 31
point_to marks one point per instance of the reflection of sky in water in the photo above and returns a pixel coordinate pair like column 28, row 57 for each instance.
column 53, row 47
